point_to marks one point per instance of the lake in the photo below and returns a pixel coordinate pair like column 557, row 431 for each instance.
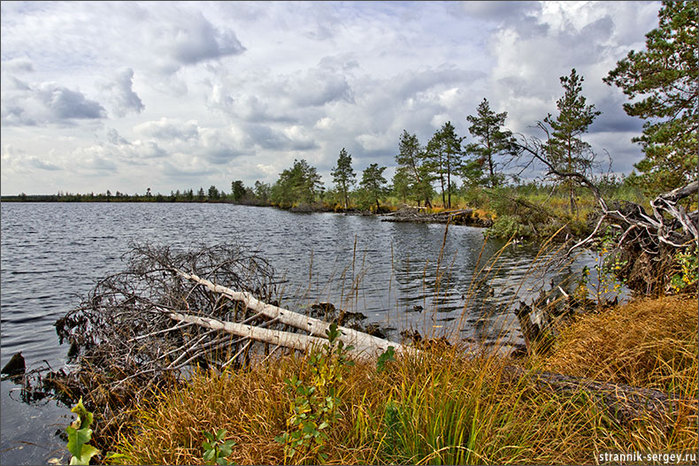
column 400, row 275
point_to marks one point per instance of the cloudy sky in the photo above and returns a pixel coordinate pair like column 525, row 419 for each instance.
column 125, row 95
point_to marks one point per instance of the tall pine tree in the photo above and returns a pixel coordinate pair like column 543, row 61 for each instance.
column 344, row 176
column 411, row 158
column 444, row 154
column 373, row 184
column 663, row 81
column 492, row 140
column 565, row 151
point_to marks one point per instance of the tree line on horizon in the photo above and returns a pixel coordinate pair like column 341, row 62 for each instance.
column 660, row 82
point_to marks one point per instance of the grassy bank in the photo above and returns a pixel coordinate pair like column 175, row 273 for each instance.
column 442, row 407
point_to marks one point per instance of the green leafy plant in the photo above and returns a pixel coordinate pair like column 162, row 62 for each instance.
column 314, row 406
column 385, row 358
column 687, row 275
column 608, row 266
column 216, row 449
column 79, row 434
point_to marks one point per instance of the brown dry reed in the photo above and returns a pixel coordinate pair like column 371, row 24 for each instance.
column 442, row 407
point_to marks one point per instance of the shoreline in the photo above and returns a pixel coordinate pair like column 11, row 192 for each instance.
column 402, row 214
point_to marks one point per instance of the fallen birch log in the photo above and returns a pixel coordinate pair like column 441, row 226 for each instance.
column 364, row 344
column 290, row 340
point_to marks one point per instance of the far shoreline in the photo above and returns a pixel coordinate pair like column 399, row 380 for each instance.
column 400, row 214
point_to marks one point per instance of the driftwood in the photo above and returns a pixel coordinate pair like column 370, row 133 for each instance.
column 455, row 217
column 542, row 320
column 646, row 241
column 364, row 345
column 160, row 315
column 669, row 224
column 167, row 314
column 623, row 403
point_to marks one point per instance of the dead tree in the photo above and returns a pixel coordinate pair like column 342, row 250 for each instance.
column 169, row 313
column 646, row 240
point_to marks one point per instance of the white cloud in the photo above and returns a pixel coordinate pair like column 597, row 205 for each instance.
column 180, row 37
column 18, row 65
column 196, row 94
column 168, row 129
column 45, row 103
column 123, row 98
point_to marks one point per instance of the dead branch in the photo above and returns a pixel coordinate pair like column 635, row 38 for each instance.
column 290, row 340
column 168, row 313
column 624, row 403
column 642, row 235
column 409, row 214
column 363, row 343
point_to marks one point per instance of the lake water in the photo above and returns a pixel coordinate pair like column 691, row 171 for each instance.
column 400, row 275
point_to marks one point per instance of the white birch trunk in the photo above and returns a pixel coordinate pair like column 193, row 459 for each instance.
column 363, row 342
column 295, row 341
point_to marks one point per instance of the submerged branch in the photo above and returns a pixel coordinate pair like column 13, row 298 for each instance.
column 168, row 313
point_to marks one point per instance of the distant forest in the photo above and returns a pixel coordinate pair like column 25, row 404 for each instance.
column 480, row 168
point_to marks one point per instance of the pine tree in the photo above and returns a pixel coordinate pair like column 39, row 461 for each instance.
column 373, row 184
column 565, row 151
column 492, row 141
column 411, row 158
column 298, row 184
column 401, row 183
column 237, row 190
column 663, row 81
column 343, row 175
column 444, row 155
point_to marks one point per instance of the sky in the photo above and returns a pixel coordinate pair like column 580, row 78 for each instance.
column 125, row 96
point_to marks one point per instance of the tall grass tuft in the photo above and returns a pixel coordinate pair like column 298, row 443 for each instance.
column 445, row 405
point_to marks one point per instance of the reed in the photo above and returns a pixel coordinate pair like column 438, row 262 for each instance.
column 446, row 404
column 443, row 407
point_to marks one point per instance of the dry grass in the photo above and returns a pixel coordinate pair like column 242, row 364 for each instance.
column 647, row 343
column 444, row 408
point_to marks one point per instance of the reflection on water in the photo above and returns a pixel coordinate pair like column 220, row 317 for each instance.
column 400, row 275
